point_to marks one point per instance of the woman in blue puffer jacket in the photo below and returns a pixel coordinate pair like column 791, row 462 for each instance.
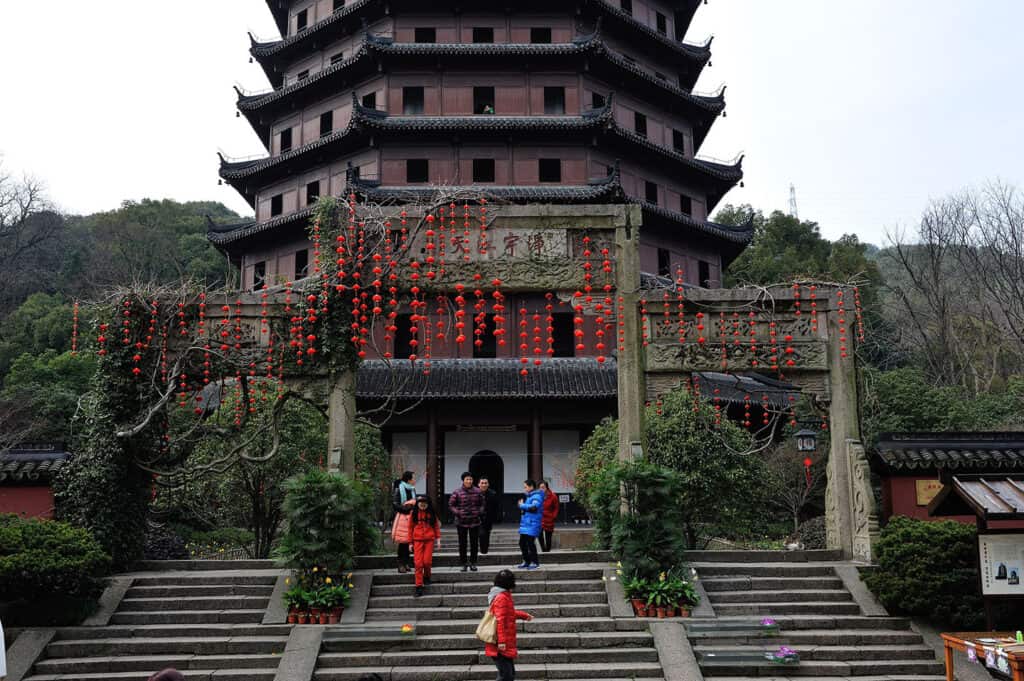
column 531, row 506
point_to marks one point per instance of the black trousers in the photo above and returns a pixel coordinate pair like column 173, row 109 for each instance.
column 485, row 538
column 506, row 668
column 472, row 535
column 403, row 555
column 545, row 540
column 529, row 548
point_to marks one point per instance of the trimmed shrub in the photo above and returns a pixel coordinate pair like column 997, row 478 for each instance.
column 597, row 487
column 327, row 522
column 648, row 538
column 929, row 569
column 50, row 572
column 163, row 543
column 811, row 533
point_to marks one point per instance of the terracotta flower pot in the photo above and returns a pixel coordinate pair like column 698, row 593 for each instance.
column 684, row 610
column 293, row 616
column 314, row 614
column 661, row 611
column 302, row 617
column 638, row 606
column 325, row 617
column 333, row 618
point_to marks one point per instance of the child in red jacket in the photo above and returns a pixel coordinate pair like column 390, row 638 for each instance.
column 425, row 531
column 504, row 610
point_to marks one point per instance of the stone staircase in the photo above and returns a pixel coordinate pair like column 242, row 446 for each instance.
column 206, row 624
column 572, row 636
column 817, row 617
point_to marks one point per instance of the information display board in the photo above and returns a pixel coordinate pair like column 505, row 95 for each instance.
column 1001, row 557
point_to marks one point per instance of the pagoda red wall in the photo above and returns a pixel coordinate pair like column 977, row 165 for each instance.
column 899, row 497
column 28, row 501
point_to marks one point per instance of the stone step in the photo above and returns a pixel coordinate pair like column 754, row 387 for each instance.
column 563, row 625
column 202, row 565
column 189, row 617
column 773, row 609
column 148, row 664
column 432, row 600
column 706, row 570
column 811, row 637
column 242, row 645
column 715, row 584
column 756, row 556
column 407, row 614
column 831, row 653
column 487, row 573
column 485, row 672
column 475, row 656
column 818, row 669
column 191, row 591
column 235, row 674
column 482, row 587
column 501, row 559
column 173, row 631
column 789, row 623
column 202, row 579
column 779, row 675
column 779, row 596
column 193, row 603
column 601, row 639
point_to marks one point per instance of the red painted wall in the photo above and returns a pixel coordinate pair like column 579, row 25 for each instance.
column 28, row 502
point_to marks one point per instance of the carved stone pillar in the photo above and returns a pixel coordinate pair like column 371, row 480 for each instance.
column 341, row 418
column 632, row 387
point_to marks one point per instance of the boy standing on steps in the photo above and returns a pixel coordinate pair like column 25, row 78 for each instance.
column 467, row 507
column 531, row 506
column 499, row 600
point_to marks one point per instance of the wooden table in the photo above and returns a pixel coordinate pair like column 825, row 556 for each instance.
column 962, row 640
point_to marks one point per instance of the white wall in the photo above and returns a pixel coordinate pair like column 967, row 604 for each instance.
column 561, row 453
column 510, row 446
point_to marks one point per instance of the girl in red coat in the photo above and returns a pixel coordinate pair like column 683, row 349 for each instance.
column 549, row 516
column 504, row 610
column 425, row 530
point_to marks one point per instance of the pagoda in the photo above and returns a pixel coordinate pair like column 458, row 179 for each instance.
column 553, row 102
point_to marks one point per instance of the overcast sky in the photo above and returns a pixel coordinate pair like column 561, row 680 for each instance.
column 869, row 107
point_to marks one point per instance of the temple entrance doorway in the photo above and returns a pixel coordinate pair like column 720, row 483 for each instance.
column 487, row 464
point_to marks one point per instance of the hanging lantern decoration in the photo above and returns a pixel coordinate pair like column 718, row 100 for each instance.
column 773, row 347
column 550, row 320
column 482, row 245
column 101, row 340
column 622, row 324
column 807, row 470
column 644, row 323
column 753, row 337
column 498, row 307
column 746, row 411
column 859, row 312
column 680, row 308
column 717, row 403
column 765, row 409
column 537, row 349
column 841, row 311
column 796, row 300
column 814, row 308
column 523, row 336
column 736, row 341
column 701, row 340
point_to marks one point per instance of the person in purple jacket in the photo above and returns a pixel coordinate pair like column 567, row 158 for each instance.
column 467, row 507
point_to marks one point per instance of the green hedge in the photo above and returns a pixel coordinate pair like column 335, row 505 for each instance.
column 50, row 572
column 929, row 569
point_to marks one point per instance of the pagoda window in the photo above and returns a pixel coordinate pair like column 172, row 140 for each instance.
column 483, row 100
column 549, row 169
column 651, row 192
column 640, row 124
column 661, row 23
column 312, row 192
column 664, row 263
column 426, row 35
column 302, row 75
column 338, row 58
column 338, row 4
column 370, row 100
column 417, row 170
column 704, row 274
column 488, row 347
column 627, row 6
column 259, row 274
column 540, row 35
column 596, row 100
column 286, row 140
column 326, row 123
column 302, row 263
column 276, row 205
column 302, row 20
column 563, row 334
column 412, row 99
column 483, row 170
column 678, row 143
column 483, row 34
column 685, row 204
column 554, row 100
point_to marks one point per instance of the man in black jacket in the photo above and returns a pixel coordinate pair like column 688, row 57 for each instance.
column 492, row 513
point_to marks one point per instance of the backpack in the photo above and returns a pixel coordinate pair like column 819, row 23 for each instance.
column 487, row 630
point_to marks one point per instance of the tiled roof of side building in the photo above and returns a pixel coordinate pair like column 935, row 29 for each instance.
column 931, row 452
column 36, row 464
column 574, row 378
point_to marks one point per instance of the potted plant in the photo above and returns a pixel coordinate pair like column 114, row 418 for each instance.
column 682, row 595
column 295, row 599
column 658, row 597
column 336, row 597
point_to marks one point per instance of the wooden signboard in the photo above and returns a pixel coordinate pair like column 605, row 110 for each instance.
column 1001, row 557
